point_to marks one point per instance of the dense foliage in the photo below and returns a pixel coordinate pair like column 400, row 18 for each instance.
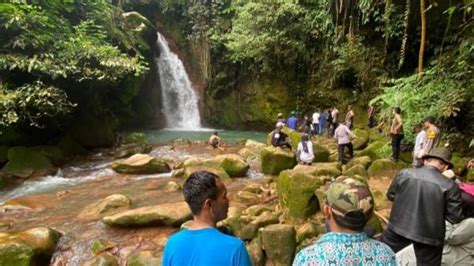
column 55, row 55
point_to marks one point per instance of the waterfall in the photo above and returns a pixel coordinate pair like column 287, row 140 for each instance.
column 179, row 100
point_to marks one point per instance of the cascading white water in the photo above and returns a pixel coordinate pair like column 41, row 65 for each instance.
column 179, row 100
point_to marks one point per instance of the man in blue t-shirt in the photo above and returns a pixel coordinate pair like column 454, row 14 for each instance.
column 292, row 121
column 202, row 243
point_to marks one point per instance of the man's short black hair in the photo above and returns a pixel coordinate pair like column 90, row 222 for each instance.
column 354, row 221
column 430, row 119
column 397, row 110
column 199, row 187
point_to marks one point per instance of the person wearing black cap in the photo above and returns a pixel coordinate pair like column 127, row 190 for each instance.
column 422, row 200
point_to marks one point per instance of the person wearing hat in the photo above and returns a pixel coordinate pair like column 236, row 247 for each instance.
column 280, row 118
column 292, row 121
column 349, row 206
column 422, row 200
column 279, row 138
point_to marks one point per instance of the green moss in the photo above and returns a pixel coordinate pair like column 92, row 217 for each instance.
column 384, row 167
column 53, row 153
column 105, row 259
column 362, row 139
column 372, row 150
column 136, row 137
column 3, row 154
column 144, row 258
column 321, row 154
column 279, row 243
column 275, row 160
column 23, row 162
column 233, row 164
column 296, row 192
column 14, row 254
column 153, row 167
column 365, row 161
column 356, row 170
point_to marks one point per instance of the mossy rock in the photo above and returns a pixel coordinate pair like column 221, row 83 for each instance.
column 15, row 254
column 296, row 193
column 470, row 175
column 362, row 139
column 320, row 169
column 254, row 248
column 53, row 153
column 275, row 160
column 24, row 162
column 101, row 245
column 3, row 154
column 365, row 161
column 279, row 243
column 136, row 137
column 144, row 258
column 112, row 202
column 141, row 164
column 104, row 259
column 406, row 157
column 307, row 230
column 233, row 164
column 356, row 170
column 321, row 154
column 372, row 150
column 459, row 163
column 131, row 149
column 384, row 167
column 70, row 147
column 171, row 214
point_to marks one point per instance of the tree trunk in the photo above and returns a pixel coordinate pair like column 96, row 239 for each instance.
column 423, row 38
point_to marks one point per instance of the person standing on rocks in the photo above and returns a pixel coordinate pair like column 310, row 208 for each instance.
column 292, row 121
column 329, row 122
column 343, row 136
column 201, row 243
column 335, row 117
column 371, row 116
column 322, row 122
column 316, row 116
column 419, row 141
column 349, row 206
column 396, row 132
column 304, row 151
column 350, row 117
column 422, row 200
column 433, row 135
column 279, row 138
column 280, row 118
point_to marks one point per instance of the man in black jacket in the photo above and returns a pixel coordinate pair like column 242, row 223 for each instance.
column 422, row 200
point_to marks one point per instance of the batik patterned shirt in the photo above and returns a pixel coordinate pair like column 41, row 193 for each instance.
column 345, row 249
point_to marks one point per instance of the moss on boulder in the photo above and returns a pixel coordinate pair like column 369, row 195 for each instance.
column 3, row 154
column 219, row 171
column 255, row 251
column 233, row 164
column 357, row 169
column 372, row 150
column 362, row 139
column 320, row 169
column 305, row 231
column 101, row 245
column 171, row 214
column 136, row 137
column 365, row 161
column 25, row 162
column 131, row 149
column 321, row 154
column 279, row 243
column 15, row 254
column 70, row 147
column 384, row 167
column 296, row 193
column 53, row 153
column 275, row 160
column 144, row 258
column 141, row 164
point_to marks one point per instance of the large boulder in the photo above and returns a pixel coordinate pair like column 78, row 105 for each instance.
column 384, row 167
column 111, row 202
column 365, row 161
column 320, row 169
column 171, row 214
column 362, row 139
column 255, row 251
column 25, row 162
column 321, row 154
column 275, row 160
column 219, row 171
column 254, row 145
column 372, row 150
column 141, row 164
column 279, row 243
column 24, row 247
column 233, row 164
column 296, row 193
column 144, row 258
column 305, row 231
column 357, row 169
column 131, row 149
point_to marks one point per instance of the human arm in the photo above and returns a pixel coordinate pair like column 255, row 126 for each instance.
column 453, row 204
column 392, row 190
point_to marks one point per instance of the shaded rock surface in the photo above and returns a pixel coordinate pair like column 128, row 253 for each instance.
column 279, row 243
column 141, row 164
column 275, row 160
column 111, row 202
column 233, row 164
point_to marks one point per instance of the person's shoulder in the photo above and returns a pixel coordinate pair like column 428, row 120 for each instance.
column 227, row 240
column 310, row 253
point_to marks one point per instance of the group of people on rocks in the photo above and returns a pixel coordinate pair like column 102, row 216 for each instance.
column 431, row 207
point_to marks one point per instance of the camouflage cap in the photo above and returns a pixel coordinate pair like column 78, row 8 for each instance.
column 347, row 195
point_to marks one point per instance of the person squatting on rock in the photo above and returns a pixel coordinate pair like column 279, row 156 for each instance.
column 418, row 148
column 396, row 132
column 215, row 141
column 280, row 139
column 349, row 206
column 343, row 136
column 422, row 200
column 304, row 152
column 201, row 243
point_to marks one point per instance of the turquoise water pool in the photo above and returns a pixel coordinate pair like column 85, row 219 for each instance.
column 228, row 136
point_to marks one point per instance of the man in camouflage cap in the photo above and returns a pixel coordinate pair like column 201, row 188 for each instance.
column 348, row 208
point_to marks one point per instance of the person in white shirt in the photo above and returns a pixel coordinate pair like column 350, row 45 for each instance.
column 343, row 136
column 316, row 122
column 418, row 149
column 335, row 116
column 304, row 151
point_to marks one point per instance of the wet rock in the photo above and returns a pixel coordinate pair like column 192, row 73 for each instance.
column 255, row 251
column 172, row 186
column 365, row 161
column 101, row 245
column 321, row 154
column 275, row 160
column 362, row 139
column 104, row 259
column 233, row 164
column 372, row 150
column 171, row 214
column 136, row 137
column 177, row 173
column 26, row 162
column 296, row 193
column 246, row 197
column 24, row 247
column 131, row 149
column 141, row 164
column 384, row 167
column 220, row 172
column 307, row 230
column 320, row 169
column 279, row 243
column 144, row 258
column 253, row 188
column 256, row 210
column 111, row 202
column 356, row 170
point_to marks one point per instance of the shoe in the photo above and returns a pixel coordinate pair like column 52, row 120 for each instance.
column 393, row 159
